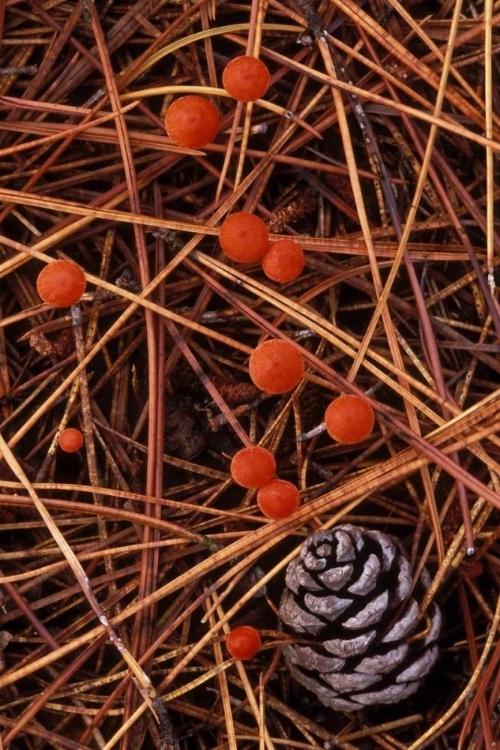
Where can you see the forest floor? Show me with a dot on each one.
(124, 565)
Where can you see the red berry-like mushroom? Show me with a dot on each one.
(243, 642)
(283, 261)
(278, 499)
(246, 78)
(349, 419)
(70, 440)
(276, 366)
(192, 121)
(253, 467)
(61, 283)
(244, 237)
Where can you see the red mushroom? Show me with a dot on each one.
(246, 78)
(349, 419)
(192, 121)
(276, 366)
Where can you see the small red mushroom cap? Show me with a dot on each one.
(192, 121)
(61, 283)
(253, 467)
(349, 419)
(243, 642)
(283, 261)
(278, 499)
(244, 237)
(246, 78)
(276, 366)
(70, 440)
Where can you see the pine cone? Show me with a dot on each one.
(349, 595)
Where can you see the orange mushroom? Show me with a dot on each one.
(278, 499)
(61, 283)
(244, 237)
(276, 366)
(246, 78)
(243, 642)
(349, 419)
(192, 121)
(283, 261)
(70, 440)
(253, 467)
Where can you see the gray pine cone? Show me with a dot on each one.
(348, 594)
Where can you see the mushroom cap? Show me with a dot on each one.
(192, 121)
(349, 419)
(61, 283)
(243, 642)
(283, 261)
(244, 237)
(70, 440)
(278, 499)
(253, 467)
(276, 366)
(246, 78)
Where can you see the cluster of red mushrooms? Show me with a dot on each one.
(276, 366)
(192, 122)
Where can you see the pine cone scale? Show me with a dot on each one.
(344, 683)
(404, 625)
(368, 578)
(383, 663)
(370, 614)
(302, 655)
(335, 579)
(348, 647)
(435, 627)
(299, 619)
(331, 606)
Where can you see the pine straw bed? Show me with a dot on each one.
(125, 565)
